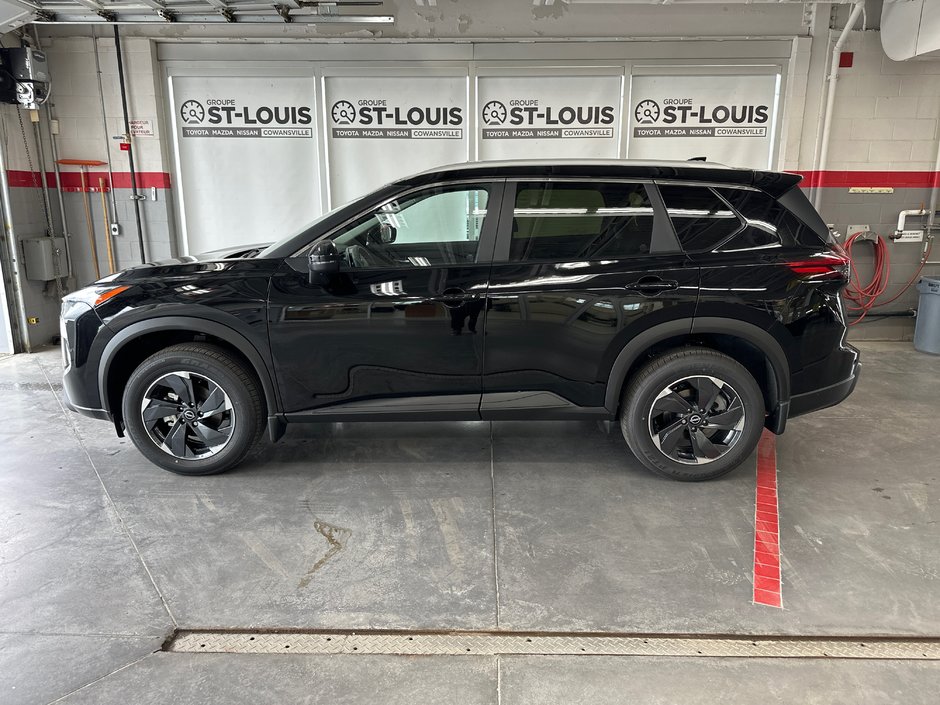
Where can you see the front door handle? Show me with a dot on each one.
(650, 286)
(452, 297)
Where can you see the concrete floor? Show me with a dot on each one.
(376, 526)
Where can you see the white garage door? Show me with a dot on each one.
(247, 157)
(549, 116)
(383, 127)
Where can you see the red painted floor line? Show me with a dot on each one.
(767, 526)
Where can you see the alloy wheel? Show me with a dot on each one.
(696, 420)
(188, 415)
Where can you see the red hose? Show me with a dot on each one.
(862, 298)
(865, 298)
(910, 283)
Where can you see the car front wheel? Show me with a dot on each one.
(692, 414)
(192, 409)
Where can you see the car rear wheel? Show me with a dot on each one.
(192, 409)
(692, 414)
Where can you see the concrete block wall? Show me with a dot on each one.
(86, 131)
(77, 104)
(885, 132)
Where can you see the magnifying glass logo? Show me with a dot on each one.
(646, 112)
(192, 111)
(494, 113)
(343, 112)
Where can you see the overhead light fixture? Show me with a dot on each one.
(306, 12)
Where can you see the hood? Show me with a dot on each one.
(234, 252)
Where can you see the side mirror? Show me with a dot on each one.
(387, 233)
(324, 258)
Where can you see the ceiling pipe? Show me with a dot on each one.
(135, 196)
(833, 80)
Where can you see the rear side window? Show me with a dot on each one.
(701, 219)
(567, 221)
(769, 223)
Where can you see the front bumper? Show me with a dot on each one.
(87, 411)
(83, 335)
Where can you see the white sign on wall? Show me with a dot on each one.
(384, 128)
(530, 117)
(245, 135)
(141, 128)
(727, 119)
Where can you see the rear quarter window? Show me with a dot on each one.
(702, 220)
(768, 223)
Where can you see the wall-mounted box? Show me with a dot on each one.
(44, 258)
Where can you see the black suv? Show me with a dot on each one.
(694, 303)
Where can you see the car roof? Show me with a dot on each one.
(497, 164)
(773, 182)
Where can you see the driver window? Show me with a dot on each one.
(435, 227)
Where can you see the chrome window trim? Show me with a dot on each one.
(706, 184)
(582, 179)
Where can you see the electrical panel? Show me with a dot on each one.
(44, 258)
(24, 77)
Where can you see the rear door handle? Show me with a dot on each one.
(650, 286)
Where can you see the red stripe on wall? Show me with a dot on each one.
(870, 179)
(72, 180)
(767, 589)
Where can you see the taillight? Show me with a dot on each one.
(830, 265)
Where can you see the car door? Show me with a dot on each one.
(399, 328)
(581, 267)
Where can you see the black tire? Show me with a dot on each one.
(237, 426)
(682, 377)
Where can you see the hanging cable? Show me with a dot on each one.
(34, 177)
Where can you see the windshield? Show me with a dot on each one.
(297, 233)
(301, 233)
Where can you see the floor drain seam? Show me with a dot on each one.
(558, 644)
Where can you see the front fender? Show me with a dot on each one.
(259, 361)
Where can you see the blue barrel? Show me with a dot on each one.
(927, 329)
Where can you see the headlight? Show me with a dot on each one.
(65, 342)
(96, 294)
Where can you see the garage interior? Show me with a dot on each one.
(464, 562)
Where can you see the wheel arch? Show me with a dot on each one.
(762, 355)
(129, 347)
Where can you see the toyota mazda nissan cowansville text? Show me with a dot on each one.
(693, 303)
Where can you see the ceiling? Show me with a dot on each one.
(17, 12)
